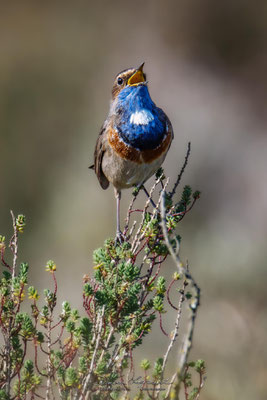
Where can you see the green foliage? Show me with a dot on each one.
(20, 223)
(25, 322)
(50, 266)
(23, 272)
(161, 285)
(85, 331)
(2, 249)
(71, 377)
(157, 371)
(198, 367)
(145, 364)
(193, 394)
(186, 195)
(3, 395)
(32, 293)
(160, 174)
(77, 353)
(29, 381)
(135, 191)
(158, 303)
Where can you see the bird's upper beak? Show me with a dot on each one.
(137, 77)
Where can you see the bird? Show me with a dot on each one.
(134, 139)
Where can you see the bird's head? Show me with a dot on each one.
(128, 77)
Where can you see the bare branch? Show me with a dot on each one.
(182, 170)
(195, 301)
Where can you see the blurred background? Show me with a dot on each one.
(206, 63)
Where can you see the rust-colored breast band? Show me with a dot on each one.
(140, 157)
(125, 151)
(149, 156)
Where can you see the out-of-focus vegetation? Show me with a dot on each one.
(206, 66)
(66, 354)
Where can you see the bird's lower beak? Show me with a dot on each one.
(137, 77)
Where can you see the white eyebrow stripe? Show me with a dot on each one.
(142, 117)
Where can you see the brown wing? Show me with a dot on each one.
(99, 153)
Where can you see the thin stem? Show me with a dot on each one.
(48, 381)
(178, 180)
(176, 328)
(86, 386)
(14, 248)
(193, 306)
(14, 245)
(147, 194)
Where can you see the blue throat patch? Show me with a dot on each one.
(139, 122)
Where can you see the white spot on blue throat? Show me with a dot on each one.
(143, 117)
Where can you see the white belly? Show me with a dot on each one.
(124, 174)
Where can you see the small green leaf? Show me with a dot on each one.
(145, 364)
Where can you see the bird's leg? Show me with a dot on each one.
(119, 236)
(146, 192)
(118, 198)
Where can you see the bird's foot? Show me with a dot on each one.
(120, 238)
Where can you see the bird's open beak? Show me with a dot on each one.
(137, 77)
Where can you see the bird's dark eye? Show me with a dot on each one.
(120, 81)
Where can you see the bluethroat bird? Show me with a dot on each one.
(133, 140)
